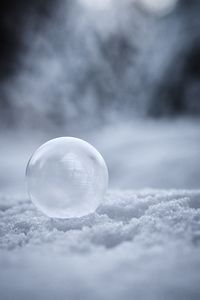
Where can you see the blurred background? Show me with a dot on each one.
(122, 74)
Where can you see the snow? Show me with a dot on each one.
(141, 243)
(139, 154)
(137, 245)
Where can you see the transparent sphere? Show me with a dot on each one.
(66, 177)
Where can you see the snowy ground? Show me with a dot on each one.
(145, 154)
(138, 245)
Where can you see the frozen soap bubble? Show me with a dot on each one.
(66, 177)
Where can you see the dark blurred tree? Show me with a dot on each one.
(13, 19)
(179, 89)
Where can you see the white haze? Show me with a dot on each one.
(85, 66)
(90, 73)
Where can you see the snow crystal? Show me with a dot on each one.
(137, 245)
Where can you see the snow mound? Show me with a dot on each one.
(137, 245)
